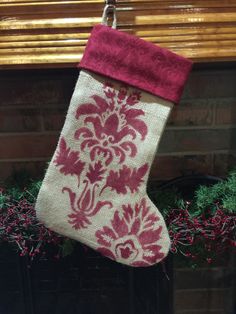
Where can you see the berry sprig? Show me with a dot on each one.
(206, 234)
(20, 227)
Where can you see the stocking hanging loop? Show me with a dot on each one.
(109, 12)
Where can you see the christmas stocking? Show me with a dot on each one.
(94, 190)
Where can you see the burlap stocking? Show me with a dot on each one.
(94, 190)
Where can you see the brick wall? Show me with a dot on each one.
(200, 136)
(33, 105)
(205, 290)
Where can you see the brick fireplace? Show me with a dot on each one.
(200, 138)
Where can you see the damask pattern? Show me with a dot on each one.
(110, 126)
(131, 237)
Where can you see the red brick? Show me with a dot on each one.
(188, 114)
(27, 146)
(34, 169)
(167, 167)
(211, 84)
(207, 278)
(19, 120)
(200, 312)
(53, 119)
(198, 140)
(223, 163)
(225, 114)
(36, 87)
(199, 300)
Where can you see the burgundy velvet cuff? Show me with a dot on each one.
(136, 62)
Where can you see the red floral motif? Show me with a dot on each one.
(125, 178)
(132, 238)
(68, 160)
(85, 206)
(95, 172)
(111, 124)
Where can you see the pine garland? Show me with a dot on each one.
(199, 230)
(204, 228)
(19, 225)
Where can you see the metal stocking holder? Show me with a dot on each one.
(109, 12)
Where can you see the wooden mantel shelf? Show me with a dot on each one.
(41, 33)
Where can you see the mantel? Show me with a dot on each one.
(41, 33)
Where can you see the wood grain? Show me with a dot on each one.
(42, 33)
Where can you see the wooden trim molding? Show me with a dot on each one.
(40, 33)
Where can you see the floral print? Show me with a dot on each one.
(132, 236)
(106, 142)
(111, 124)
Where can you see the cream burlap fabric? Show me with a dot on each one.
(94, 190)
